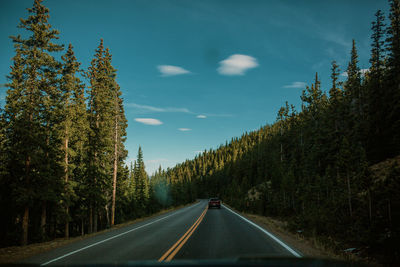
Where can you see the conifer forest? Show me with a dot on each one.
(330, 169)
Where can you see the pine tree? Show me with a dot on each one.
(353, 83)
(355, 101)
(377, 47)
(393, 39)
(336, 97)
(100, 148)
(392, 82)
(375, 94)
(73, 127)
(141, 183)
(30, 107)
(119, 126)
(108, 130)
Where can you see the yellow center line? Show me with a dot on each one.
(177, 246)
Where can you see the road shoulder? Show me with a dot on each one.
(295, 241)
(17, 253)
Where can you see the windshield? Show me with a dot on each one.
(123, 124)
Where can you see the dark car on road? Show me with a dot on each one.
(214, 203)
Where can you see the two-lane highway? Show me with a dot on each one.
(193, 232)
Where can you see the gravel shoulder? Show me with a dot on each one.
(17, 253)
(308, 247)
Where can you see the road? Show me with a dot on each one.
(193, 232)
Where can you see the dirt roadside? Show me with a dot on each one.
(17, 253)
(308, 247)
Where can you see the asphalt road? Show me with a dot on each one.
(193, 232)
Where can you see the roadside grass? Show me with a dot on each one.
(310, 246)
(16, 253)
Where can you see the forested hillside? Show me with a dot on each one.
(63, 128)
(331, 169)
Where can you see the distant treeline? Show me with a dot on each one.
(62, 153)
(333, 168)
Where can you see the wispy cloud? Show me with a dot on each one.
(184, 129)
(144, 109)
(237, 65)
(169, 70)
(334, 37)
(147, 108)
(148, 121)
(295, 85)
(218, 115)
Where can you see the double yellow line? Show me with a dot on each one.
(170, 254)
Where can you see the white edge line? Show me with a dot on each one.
(267, 233)
(107, 239)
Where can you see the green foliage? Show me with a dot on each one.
(59, 150)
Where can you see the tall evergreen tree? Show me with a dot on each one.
(375, 90)
(118, 128)
(141, 183)
(108, 130)
(73, 129)
(392, 81)
(101, 107)
(30, 108)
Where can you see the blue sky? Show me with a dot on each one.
(197, 73)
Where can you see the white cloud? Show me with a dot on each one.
(148, 121)
(237, 64)
(201, 116)
(184, 129)
(158, 109)
(295, 85)
(169, 70)
(362, 72)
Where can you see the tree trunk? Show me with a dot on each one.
(66, 184)
(115, 171)
(281, 145)
(95, 220)
(107, 215)
(67, 222)
(349, 195)
(90, 230)
(25, 219)
(43, 220)
(370, 206)
(389, 213)
(44, 201)
(25, 223)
